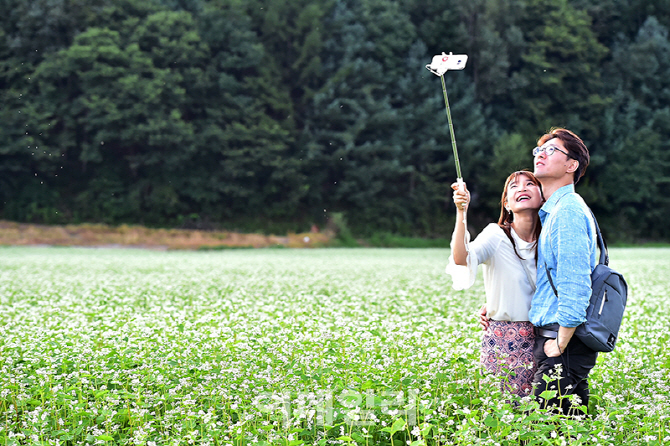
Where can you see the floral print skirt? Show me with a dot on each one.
(507, 352)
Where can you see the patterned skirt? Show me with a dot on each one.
(507, 352)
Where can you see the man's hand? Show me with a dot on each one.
(551, 348)
(556, 347)
(483, 319)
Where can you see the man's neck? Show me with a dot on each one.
(549, 187)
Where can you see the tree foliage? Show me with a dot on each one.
(274, 116)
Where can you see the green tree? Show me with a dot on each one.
(378, 140)
(291, 33)
(557, 81)
(352, 147)
(246, 171)
(29, 32)
(260, 115)
(117, 111)
(493, 41)
(632, 162)
(613, 19)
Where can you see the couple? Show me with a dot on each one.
(544, 226)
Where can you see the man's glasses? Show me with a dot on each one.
(548, 150)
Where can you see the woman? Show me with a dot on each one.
(508, 252)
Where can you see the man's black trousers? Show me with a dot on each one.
(577, 361)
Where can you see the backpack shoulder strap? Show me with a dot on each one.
(604, 255)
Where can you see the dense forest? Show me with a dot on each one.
(275, 115)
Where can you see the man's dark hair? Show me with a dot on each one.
(574, 145)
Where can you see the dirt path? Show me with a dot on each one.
(12, 233)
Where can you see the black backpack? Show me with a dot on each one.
(609, 293)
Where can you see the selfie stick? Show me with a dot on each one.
(440, 65)
(451, 131)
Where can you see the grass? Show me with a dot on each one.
(291, 347)
(385, 240)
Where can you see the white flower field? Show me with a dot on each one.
(291, 347)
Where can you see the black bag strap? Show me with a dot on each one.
(604, 255)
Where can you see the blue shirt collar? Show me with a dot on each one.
(549, 205)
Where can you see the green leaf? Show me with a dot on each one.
(548, 394)
(527, 435)
(491, 421)
(358, 437)
(104, 437)
(397, 426)
(425, 430)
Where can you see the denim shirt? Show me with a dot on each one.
(568, 246)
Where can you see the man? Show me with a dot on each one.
(567, 248)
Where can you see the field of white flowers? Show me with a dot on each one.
(291, 347)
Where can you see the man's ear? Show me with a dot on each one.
(573, 166)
